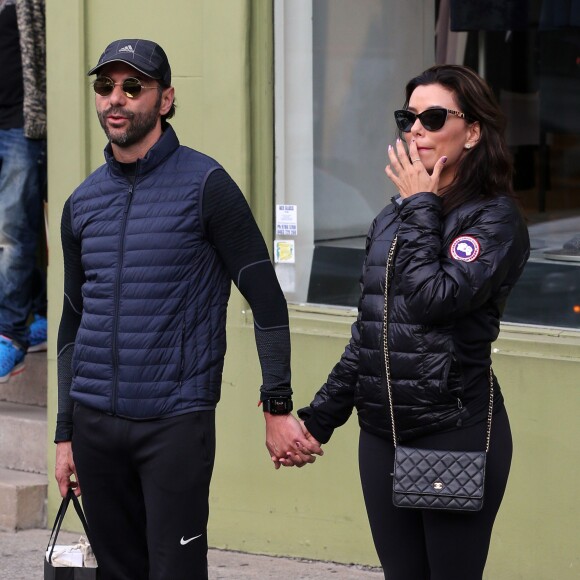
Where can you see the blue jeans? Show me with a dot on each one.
(22, 183)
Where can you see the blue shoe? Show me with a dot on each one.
(11, 359)
(37, 334)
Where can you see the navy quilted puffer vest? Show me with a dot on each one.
(152, 338)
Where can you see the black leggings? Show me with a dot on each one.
(425, 544)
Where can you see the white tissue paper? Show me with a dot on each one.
(76, 556)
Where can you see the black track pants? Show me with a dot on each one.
(145, 489)
(431, 545)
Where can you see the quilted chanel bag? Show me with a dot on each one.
(428, 478)
(444, 480)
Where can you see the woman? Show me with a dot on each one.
(461, 246)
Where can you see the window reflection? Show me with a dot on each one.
(362, 55)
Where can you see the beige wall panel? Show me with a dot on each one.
(205, 43)
(225, 70)
(314, 512)
(67, 166)
(175, 25)
(538, 527)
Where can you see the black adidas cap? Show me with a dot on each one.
(144, 55)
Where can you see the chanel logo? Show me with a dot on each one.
(438, 485)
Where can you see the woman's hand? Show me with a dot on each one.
(409, 175)
(288, 442)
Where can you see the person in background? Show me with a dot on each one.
(22, 181)
(459, 245)
(152, 241)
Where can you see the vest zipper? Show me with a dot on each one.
(118, 295)
(182, 354)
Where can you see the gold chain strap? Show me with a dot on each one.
(490, 410)
(390, 257)
(388, 271)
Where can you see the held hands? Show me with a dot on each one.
(65, 468)
(408, 173)
(289, 442)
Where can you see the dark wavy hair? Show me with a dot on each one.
(485, 170)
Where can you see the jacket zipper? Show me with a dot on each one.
(182, 354)
(118, 294)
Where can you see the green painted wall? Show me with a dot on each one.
(538, 528)
(221, 52)
(318, 512)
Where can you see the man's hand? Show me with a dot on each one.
(287, 443)
(65, 468)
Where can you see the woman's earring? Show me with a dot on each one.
(468, 146)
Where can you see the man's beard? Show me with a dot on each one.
(139, 126)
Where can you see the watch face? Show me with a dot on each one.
(278, 406)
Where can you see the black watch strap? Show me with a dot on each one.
(277, 405)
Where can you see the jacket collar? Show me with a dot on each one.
(165, 146)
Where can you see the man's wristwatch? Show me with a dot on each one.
(277, 405)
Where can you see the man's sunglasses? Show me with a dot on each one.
(104, 86)
(431, 119)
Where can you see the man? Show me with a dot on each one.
(151, 243)
(22, 180)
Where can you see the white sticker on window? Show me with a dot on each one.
(286, 220)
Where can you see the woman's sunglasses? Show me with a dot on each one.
(431, 119)
(104, 86)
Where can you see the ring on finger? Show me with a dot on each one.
(414, 160)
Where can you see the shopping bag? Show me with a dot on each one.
(71, 562)
(52, 573)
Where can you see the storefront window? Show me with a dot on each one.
(340, 71)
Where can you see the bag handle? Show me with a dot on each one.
(388, 275)
(60, 518)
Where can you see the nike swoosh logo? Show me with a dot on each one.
(183, 541)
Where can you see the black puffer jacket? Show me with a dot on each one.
(449, 284)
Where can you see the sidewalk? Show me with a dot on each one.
(21, 555)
